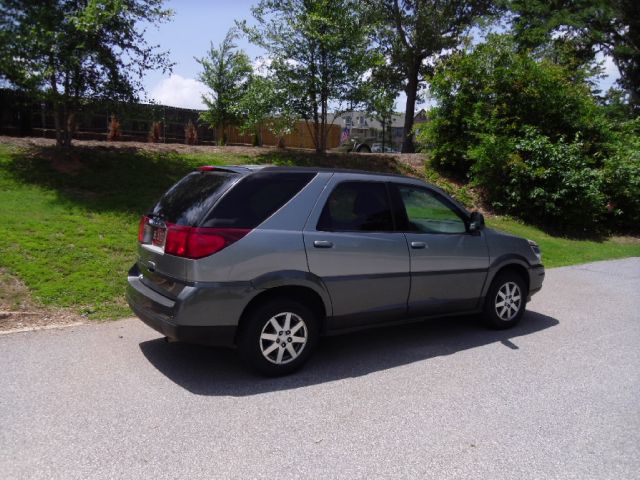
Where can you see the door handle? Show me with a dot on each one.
(322, 244)
(418, 245)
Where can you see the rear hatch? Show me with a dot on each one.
(204, 213)
(169, 235)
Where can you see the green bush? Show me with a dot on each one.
(540, 181)
(531, 135)
(622, 178)
(497, 90)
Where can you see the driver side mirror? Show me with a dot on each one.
(476, 222)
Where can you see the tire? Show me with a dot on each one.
(506, 301)
(260, 343)
(364, 149)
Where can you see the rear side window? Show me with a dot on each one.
(255, 198)
(357, 206)
(188, 200)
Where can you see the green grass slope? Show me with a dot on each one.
(68, 219)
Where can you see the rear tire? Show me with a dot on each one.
(278, 337)
(364, 149)
(506, 301)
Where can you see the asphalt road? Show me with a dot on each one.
(557, 397)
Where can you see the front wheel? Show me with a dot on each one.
(506, 301)
(278, 337)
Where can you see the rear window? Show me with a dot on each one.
(188, 200)
(357, 207)
(255, 198)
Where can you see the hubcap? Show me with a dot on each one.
(283, 338)
(508, 301)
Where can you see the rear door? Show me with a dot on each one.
(351, 245)
(448, 264)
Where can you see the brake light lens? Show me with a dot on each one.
(198, 242)
(206, 168)
(143, 222)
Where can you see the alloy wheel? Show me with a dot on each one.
(508, 301)
(283, 338)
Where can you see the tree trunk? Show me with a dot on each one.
(323, 125)
(62, 118)
(383, 135)
(57, 121)
(412, 91)
(316, 130)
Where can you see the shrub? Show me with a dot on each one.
(155, 132)
(544, 182)
(622, 178)
(533, 138)
(496, 90)
(114, 132)
(190, 134)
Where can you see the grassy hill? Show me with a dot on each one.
(68, 219)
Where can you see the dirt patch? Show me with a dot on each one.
(246, 150)
(625, 240)
(414, 160)
(19, 311)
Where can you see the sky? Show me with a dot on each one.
(198, 23)
(195, 24)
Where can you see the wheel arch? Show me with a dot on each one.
(512, 263)
(294, 285)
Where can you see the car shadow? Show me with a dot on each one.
(218, 371)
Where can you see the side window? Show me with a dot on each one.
(426, 213)
(357, 207)
(255, 198)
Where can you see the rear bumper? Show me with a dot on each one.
(180, 319)
(220, 335)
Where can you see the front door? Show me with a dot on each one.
(352, 247)
(448, 264)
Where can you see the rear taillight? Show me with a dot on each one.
(198, 242)
(144, 220)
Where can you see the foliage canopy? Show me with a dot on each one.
(226, 71)
(319, 50)
(67, 51)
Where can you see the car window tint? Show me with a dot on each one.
(427, 213)
(188, 200)
(255, 198)
(357, 206)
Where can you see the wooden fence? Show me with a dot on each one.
(23, 116)
(300, 137)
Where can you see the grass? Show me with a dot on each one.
(69, 228)
(68, 219)
(561, 251)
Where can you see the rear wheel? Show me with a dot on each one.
(278, 337)
(506, 301)
(364, 149)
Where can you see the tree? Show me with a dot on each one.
(381, 105)
(264, 105)
(319, 49)
(67, 52)
(574, 31)
(413, 33)
(226, 71)
(256, 106)
(533, 139)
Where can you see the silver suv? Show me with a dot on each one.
(270, 258)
